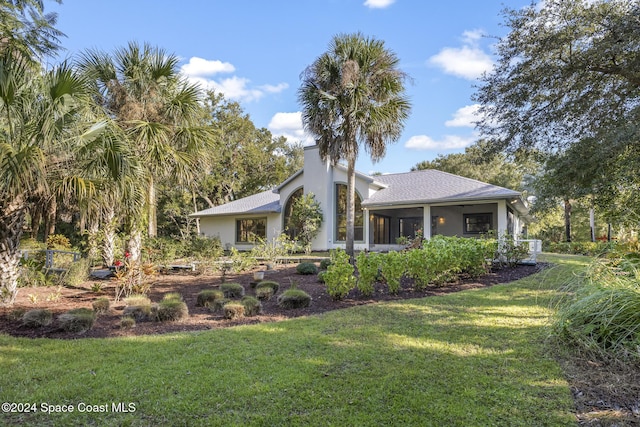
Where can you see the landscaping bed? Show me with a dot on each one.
(60, 300)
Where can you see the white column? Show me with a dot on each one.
(426, 221)
(502, 217)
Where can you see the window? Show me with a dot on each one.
(288, 208)
(250, 229)
(341, 216)
(477, 223)
(381, 230)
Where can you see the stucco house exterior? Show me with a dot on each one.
(387, 207)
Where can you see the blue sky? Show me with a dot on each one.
(254, 51)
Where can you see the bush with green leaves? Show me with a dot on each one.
(207, 297)
(306, 268)
(140, 313)
(172, 308)
(275, 286)
(37, 318)
(264, 294)
(205, 248)
(306, 219)
(137, 299)
(392, 268)
(232, 290)
(339, 277)
(294, 298)
(325, 263)
(101, 305)
(321, 276)
(218, 304)
(77, 273)
(127, 322)
(78, 320)
(418, 267)
(252, 306)
(233, 310)
(368, 265)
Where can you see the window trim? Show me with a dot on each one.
(476, 214)
(240, 242)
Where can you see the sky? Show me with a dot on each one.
(254, 52)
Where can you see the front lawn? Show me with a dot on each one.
(472, 358)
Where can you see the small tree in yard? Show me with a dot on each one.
(306, 218)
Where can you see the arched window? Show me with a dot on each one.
(341, 215)
(291, 231)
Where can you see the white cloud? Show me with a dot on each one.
(378, 4)
(290, 126)
(205, 67)
(468, 61)
(199, 70)
(449, 142)
(464, 117)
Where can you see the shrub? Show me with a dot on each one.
(306, 268)
(294, 298)
(172, 309)
(58, 241)
(78, 273)
(232, 290)
(137, 300)
(325, 263)
(218, 304)
(205, 248)
(101, 305)
(78, 320)
(37, 318)
(233, 310)
(339, 277)
(264, 294)
(140, 313)
(321, 275)
(172, 296)
(268, 284)
(392, 267)
(252, 306)
(418, 267)
(207, 297)
(127, 322)
(368, 265)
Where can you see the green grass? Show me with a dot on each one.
(474, 358)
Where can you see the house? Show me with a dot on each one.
(387, 207)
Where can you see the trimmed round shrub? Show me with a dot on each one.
(218, 304)
(101, 305)
(137, 300)
(307, 268)
(172, 310)
(232, 290)
(268, 284)
(127, 322)
(325, 263)
(78, 320)
(252, 306)
(294, 298)
(233, 310)
(265, 293)
(172, 296)
(140, 313)
(207, 297)
(37, 318)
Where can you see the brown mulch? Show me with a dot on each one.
(604, 395)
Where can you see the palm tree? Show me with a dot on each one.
(351, 95)
(158, 110)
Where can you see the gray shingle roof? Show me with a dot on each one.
(265, 202)
(433, 186)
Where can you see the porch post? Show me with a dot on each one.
(366, 226)
(426, 221)
(502, 217)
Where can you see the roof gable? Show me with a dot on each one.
(265, 202)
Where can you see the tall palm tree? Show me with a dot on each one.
(353, 95)
(158, 110)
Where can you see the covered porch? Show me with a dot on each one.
(388, 224)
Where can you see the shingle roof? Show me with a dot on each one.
(432, 186)
(265, 202)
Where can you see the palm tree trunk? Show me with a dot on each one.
(50, 218)
(134, 245)
(151, 205)
(11, 221)
(351, 206)
(109, 238)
